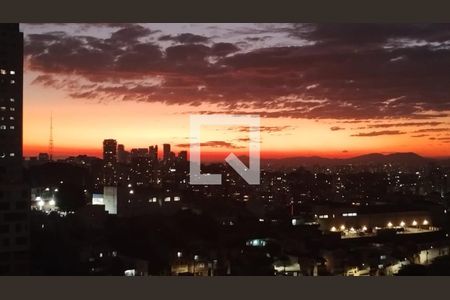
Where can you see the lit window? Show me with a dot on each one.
(12, 72)
(12, 100)
(13, 81)
(12, 154)
(3, 108)
(3, 127)
(11, 118)
(12, 109)
(2, 71)
(11, 127)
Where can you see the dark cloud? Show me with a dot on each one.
(268, 129)
(378, 133)
(336, 128)
(185, 38)
(432, 130)
(129, 34)
(223, 49)
(406, 124)
(212, 144)
(348, 71)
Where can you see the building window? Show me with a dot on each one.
(2, 127)
(11, 118)
(11, 127)
(12, 100)
(12, 154)
(21, 241)
(13, 81)
(12, 109)
(12, 72)
(2, 71)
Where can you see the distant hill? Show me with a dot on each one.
(407, 158)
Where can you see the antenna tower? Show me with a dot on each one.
(50, 142)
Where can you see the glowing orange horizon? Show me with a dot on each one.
(215, 155)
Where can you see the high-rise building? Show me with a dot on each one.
(14, 196)
(139, 152)
(153, 153)
(109, 161)
(166, 152)
(122, 155)
(182, 156)
(110, 150)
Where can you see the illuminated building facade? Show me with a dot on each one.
(110, 161)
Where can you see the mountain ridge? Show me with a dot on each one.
(407, 158)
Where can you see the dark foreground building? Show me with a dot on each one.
(14, 206)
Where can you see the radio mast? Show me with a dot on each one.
(50, 142)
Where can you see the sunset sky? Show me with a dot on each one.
(335, 90)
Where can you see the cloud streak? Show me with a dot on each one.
(378, 133)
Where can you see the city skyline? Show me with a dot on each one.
(145, 207)
(339, 91)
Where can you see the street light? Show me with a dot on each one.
(41, 203)
(389, 225)
(195, 262)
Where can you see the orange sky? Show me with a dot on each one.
(81, 124)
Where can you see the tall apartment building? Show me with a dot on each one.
(14, 195)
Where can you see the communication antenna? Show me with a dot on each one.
(50, 142)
